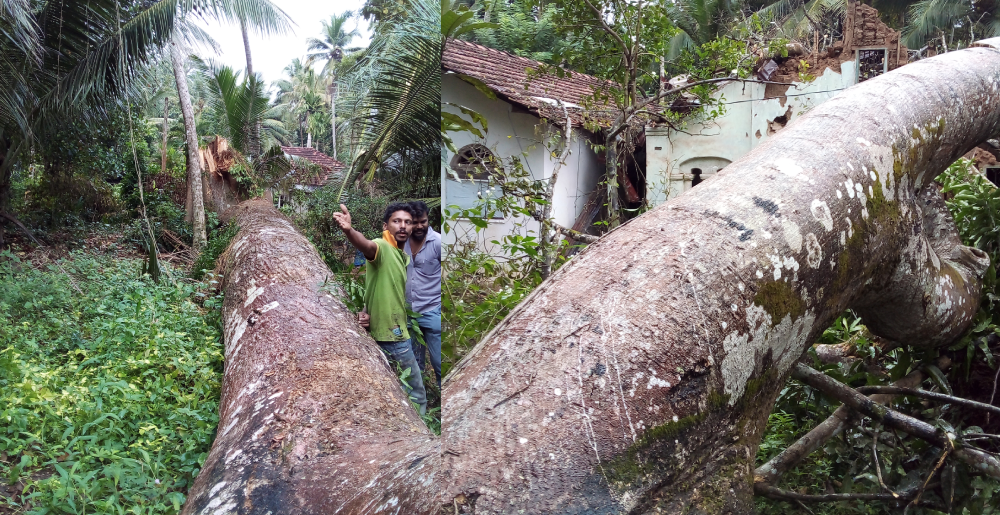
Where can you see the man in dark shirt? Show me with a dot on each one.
(423, 285)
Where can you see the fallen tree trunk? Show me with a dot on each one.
(311, 419)
(639, 377)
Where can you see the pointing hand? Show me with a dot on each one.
(343, 219)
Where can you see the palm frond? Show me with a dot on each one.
(396, 107)
(262, 15)
(927, 17)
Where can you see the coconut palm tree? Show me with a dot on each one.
(234, 103)
(302, 93)
(395, 100)
(968, 21)
(70, 59)
(700, 21)
(331, 48)
(260, 14)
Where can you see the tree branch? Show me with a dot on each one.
(978, 460)
(929, 395)
(788, 495)
(787, 459)
(576, 235)
(620, 122)
(547, 257)
(608, 29)
(21, 226)
(851, 398)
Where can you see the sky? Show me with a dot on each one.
(271, 55)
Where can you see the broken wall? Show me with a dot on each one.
(754, 112)
(751, 115)
(863, 29)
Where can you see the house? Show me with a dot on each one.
(754, 111)
(312, 169)
(525, 106)
(523, 113)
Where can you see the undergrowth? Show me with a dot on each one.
(216, 245)
(108, 395)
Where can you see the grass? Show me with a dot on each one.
(109, 387)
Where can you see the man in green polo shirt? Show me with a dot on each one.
(385, 289)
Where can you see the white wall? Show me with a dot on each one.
(671, 155)
(515, 134)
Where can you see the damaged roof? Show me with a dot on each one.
(329, 167)
(508, 75)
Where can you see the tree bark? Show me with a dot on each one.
(195, 189)
(311, 418)
(639, 377)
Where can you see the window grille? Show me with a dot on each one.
(478, 163)
(992, 174)
(475, 162)
(871, 63)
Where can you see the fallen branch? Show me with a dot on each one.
(576, 235)
(929, 395)
(21, 226)
(18, 223)
(788, 495)
(787, 459)
(978, 460)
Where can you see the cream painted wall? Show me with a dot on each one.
(515, 134)
(671, 155)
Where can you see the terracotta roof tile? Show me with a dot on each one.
(507, 75)
(331, 168)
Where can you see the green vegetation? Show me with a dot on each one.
(845, 463)
(109, 386)
(218, 242)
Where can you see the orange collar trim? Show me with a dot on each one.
(390, 238)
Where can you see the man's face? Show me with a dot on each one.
(399, 226)
(419, 228)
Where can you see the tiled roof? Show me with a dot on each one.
(331, 168)
(508, 76)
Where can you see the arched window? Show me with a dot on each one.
(469, 184)
(475, 162)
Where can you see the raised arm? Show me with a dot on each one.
(366, 246)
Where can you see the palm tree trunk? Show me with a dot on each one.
(194, 160)
(163, 147)
(246, 47)
(333, 115)
(253, 127)
(6, 175)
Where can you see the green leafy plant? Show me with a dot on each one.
(218, 242)
(108, 396)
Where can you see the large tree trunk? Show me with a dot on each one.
(638, 378)
(193, 161)
(311, 419)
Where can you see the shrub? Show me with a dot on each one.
(108, 395)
